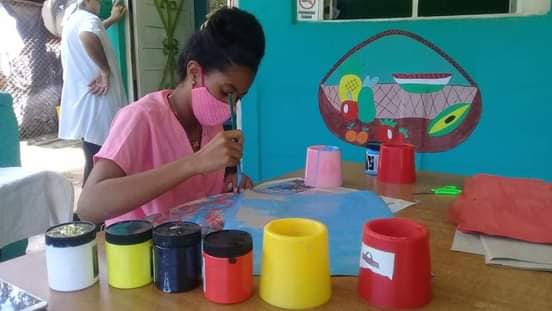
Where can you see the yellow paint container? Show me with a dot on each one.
(295, 270)
(128, 253)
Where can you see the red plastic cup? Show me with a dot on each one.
(395, 264)
(397, 164)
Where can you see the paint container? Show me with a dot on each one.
(228, 266)
(71, 256)
(395, 264)
(323, 167)
(397, 164)
(295, 270)
(372, 158)
(177, 256)
(128, 249)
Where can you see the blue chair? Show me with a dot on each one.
(10, 156)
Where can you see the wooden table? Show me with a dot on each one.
(462, 281)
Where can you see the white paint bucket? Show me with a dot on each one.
(72, 256)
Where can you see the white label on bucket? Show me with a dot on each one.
(204, 275)
(380, 262)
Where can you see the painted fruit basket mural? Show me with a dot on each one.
(361, 100)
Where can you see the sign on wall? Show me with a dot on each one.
(310, 10)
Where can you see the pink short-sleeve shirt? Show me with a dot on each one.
(146, 135)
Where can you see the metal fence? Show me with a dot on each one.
(34, 75)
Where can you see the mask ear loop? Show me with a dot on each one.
(202, 76)
(194, 81)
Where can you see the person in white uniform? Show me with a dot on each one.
(92, 85)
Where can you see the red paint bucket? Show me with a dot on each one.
(395, 264)
(397, 164)
(228, 266)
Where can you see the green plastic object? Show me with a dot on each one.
(447, 190)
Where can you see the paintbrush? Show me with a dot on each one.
(235, 127)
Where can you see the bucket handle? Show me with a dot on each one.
(411, 35)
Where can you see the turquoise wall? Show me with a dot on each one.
(510, 58)
(200, 10)
(116, 34)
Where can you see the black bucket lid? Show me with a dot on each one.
(128, 232)
(177, 234)
(70, 234)
(227, 243)
(373, 145)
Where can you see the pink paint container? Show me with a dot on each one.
(323, 167)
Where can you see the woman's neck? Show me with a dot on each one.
(181, 103)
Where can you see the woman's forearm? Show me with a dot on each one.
(111, 197)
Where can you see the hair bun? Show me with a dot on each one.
(225, 29)
(229, 36)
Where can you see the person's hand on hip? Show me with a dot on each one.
(100, 85)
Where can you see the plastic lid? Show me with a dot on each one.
(227, 243)
(71, 234)
(128, 232)
(177, 234)
(373, 146)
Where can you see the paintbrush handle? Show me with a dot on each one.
(235, 127)
(232, 113)
(238, 176)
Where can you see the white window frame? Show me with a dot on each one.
(517, 8)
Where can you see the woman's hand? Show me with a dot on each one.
(222, 151)
(117, 12)
(100, 85)
(231, 182)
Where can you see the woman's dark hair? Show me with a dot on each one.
(229, 37)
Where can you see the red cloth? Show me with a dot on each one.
(510, 207)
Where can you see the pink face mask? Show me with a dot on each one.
(207, 109)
